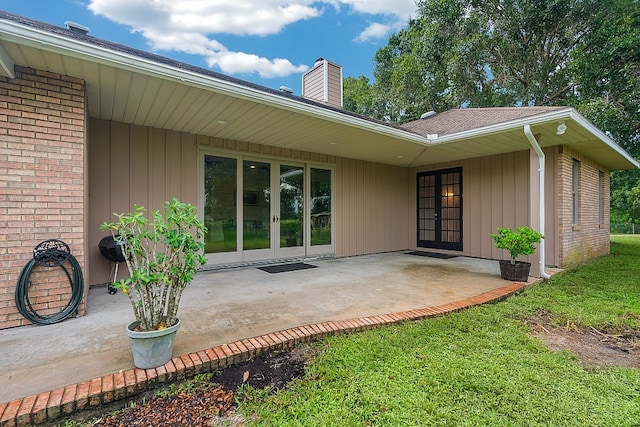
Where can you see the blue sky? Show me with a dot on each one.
(269, 42)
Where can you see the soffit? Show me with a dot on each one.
(124, 90)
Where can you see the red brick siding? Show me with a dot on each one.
(42, 181)
(589, 238)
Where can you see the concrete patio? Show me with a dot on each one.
(230, 305)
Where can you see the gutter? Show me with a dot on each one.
(541, 162)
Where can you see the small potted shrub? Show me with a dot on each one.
(517, 242)
(162, 255)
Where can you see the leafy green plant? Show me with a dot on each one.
(162, 256)
(517, 242)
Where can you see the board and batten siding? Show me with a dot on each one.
(497, 193)
(371, 207)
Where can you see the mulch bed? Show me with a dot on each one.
(215, 405)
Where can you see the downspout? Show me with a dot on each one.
(541, 162)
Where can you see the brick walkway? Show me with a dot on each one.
(63, 401)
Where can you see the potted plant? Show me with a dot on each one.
(162, 255)
(517, 242)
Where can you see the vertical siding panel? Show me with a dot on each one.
(471, 199)
(173, 158)
(99, 196)
(508, 190)
(341, 208)
(353, 212)
(497, 203)
(522, 201)
(119, 194)
(486, 211)
(360, 214)
(139, 166)
(189, 169)
(412, 216)
(157, 175)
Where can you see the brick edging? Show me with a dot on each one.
(63, 401)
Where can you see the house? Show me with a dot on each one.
(90, 127)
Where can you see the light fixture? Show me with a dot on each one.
(221, 122)
(561, 129)
(333, 143)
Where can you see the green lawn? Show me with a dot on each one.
(479, 367)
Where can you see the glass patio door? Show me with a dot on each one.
(439, 202)
(269, 220)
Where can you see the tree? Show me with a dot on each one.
(607, 67)
(481, 53)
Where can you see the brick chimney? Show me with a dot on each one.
(323, 83)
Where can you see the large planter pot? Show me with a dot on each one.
(151, 348)
(518, 272)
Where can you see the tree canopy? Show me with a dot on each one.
(499, 53)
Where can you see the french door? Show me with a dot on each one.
(259, 209)
(439, 202)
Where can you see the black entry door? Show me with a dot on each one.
(439, 201)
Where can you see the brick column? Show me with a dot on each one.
(42, 183)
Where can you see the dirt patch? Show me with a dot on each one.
(595, 348)
(214, 406)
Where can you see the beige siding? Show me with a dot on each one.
(323, 83)
(496, 193)
(371, 207)
(133, 164)
(334, 85)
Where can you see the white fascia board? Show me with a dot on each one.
(559, 115)
(603, 137)
(21, 34)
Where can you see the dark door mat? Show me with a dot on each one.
(283, 268)
(431, 254)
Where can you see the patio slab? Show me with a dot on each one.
(228, 306)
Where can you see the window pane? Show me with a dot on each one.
(320, 207)
(291, 206)
(256, 202)
(220, 183)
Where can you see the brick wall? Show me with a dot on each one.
(589, 237)
(42, 183)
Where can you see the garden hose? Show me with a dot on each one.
(50, 253)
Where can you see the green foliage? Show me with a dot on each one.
(479, 367)
(477, 53)
(517, 242)
(162, 256)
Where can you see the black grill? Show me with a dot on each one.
(111, 249)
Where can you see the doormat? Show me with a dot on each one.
(283, 268)
(431, 254)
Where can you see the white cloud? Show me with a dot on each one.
(186, 25)
(375, 30)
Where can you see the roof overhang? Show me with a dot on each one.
(580, 135)
(138, 88)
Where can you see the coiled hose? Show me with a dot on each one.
(50, 253)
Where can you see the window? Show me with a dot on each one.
(575, 191)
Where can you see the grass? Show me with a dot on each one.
(475, 368)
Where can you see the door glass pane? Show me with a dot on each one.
(220, 183)
(451, 209)
(320, 207)
(256, 202)
(291, 206)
